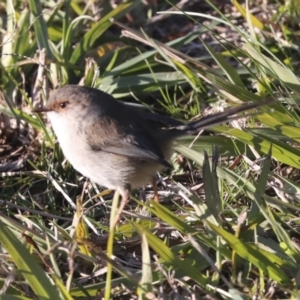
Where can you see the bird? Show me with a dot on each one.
(119, 146)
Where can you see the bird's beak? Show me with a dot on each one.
(41, 109)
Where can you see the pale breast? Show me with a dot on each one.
(106, 169)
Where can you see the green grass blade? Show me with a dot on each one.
(252, 254)
(170, 258)
(88, 40)
(27, 266)
(211, 188)
(228, 70)
(40, 26)
(147, 278)
(281, 151)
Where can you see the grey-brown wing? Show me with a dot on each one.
(131, 141)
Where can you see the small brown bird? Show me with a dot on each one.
(116, 145)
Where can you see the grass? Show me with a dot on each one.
(228, 219)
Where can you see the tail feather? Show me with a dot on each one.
(219, 118)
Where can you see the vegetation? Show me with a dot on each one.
(228, 217)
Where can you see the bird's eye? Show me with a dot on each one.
(63, 104)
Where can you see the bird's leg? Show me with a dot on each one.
(125, 193)
(154, 184)
(156, 197)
